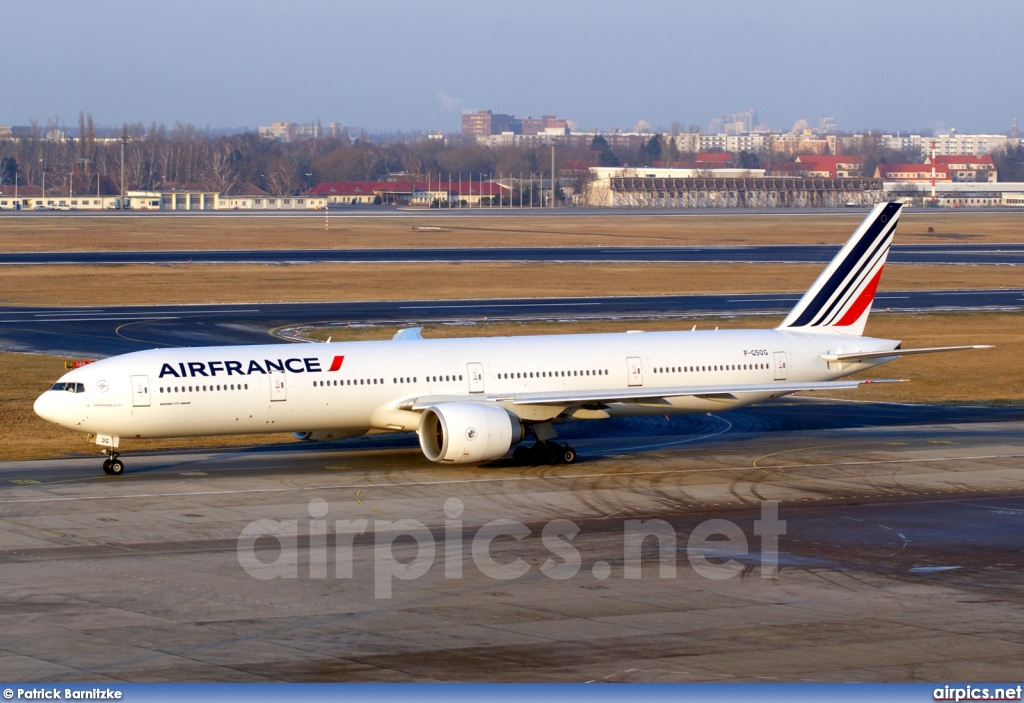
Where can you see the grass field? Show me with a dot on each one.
(993, 376)
(262, 283)
(23, 232)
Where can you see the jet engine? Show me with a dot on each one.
(328, 435)
(463, 433)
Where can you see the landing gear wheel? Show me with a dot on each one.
(552, 453)
(521, 455)
(112, 465)
(568, 455)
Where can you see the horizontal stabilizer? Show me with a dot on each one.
(858, 356)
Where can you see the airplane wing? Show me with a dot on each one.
(857, 356)
(618, 395)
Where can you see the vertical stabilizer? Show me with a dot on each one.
(840, 300)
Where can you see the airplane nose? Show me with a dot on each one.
(47, 406)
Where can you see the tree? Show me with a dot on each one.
(8, 168)
(651, 151)
(748, 159)
(1010, 163)
(605, 156)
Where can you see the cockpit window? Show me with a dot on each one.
(59, 386)
(69, 387)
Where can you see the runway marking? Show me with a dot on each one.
(507, 479)
(997, 508)
(95, 319)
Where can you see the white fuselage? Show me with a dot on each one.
(360, 385)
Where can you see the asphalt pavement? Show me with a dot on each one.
(953, 254)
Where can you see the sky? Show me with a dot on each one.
(388, 65)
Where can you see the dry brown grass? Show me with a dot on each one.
(993, 376)
(260, 283)
(29, 233)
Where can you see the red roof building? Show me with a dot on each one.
(970, 169)
(917, 173)
(831, 165)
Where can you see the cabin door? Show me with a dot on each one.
(780, 366)
(476, 377)
(278, 386)
(140, 391)
(636, 371)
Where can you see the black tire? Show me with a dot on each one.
(106, 467)
(116, 467)
(568, 455)
(521, 455)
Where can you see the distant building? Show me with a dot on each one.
(805, 142)
(968, 169)
(733, 123)
(912, 173)
(830, 165)
(425, 193)
(963, 144)
(484, 123)
(539, 125)
(897, 142)
(291, 132)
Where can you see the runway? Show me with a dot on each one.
(108, 330)
(899, 557)
(954, 254)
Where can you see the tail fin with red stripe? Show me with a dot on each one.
(840, 300)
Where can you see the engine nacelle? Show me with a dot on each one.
(328, 435)
(463, 433)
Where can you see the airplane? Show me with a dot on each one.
(471, 400)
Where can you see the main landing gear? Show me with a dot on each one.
(112, 465)
(546, 452)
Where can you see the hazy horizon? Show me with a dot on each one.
(393, 66)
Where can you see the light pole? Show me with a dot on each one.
(85, 167)
(42, 170)
(552, 175)
(309, 181)
(124, 138)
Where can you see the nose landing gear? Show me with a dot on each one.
(112, 465)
